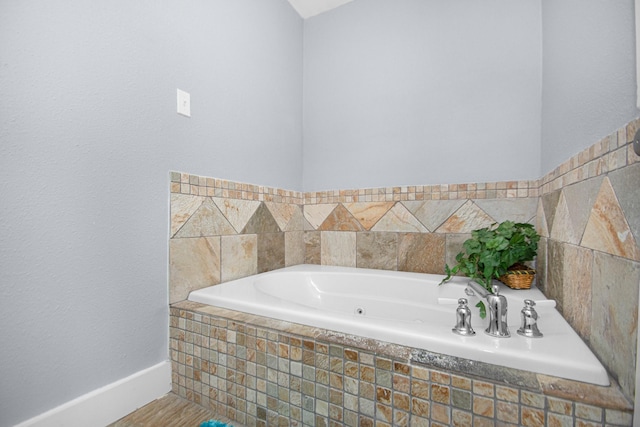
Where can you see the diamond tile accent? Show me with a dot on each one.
(238, 212)
(316, 214)
(340, 219)
(562, 228)
(607, 230)
(514, 209)
(368, 213)
(206, 221)
(433, 213)
(261, 222)
(182, 207)
(466, 219)
(399, 219)
(283, 213)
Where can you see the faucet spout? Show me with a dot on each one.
(497, 308)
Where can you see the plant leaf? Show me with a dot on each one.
(483, 309)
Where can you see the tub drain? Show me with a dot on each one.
(360, 311)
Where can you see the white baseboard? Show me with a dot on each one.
(109, 403)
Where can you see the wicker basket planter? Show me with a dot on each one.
(518, 276)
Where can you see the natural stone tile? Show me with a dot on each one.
(261, 222)
(368, 213)
(182, 206)
(297, 221)
(580, 199)
(271, 251)
(312, 247)
(614, 316)
(206, 221)
(549, 204)
(340, 219)
(316, 214)
(294, 248)
(576, 288)
(466, 219)
(454, 245)
(541, 264)
(553, 286)
(421, 252)
(519, 209)
(433, 213)
(532, 417)
(625, 185)
(562, 228)
(239, 256)
(193, 264)
(238, 212)
(541, 221)
(399, 219)
(283, 213)
(507, 412)
(338, 248)
(377, 250)
(607, 230)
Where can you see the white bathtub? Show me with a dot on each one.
(409, 309)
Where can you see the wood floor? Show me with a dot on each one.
(169, 411)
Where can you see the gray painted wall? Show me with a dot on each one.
(422, 92)
(88, 134)
(589, 87)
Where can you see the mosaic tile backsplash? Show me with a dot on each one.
(587, 210)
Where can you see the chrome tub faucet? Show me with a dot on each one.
(497, 308)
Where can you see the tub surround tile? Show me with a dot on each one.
(448, 210)
(625, 185)
(514, 209)
(580, 198)
(237, 212)
(549, 204)
(316, 214)
(368, 213)
(261, 222)
(606, 216)
(562, 229)
(206, 221)
(377, 250)
(541, 221)
(255, 370)
(421, 252)
(399, 219)
(576, 288)
(294, 248)
(433, 213)
(469, 217)
(313, 247)
(340, 219)
(182, 207)
(555, 273)
(338, 248)
(614, 313)
(244, 261)
(193, 264)
(270, 251)
(287, 216)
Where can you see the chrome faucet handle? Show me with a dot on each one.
(463, 319)
(529, 320)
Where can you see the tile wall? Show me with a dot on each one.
(264, 372)
(586, 210)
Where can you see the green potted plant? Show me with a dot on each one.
(498, 252)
